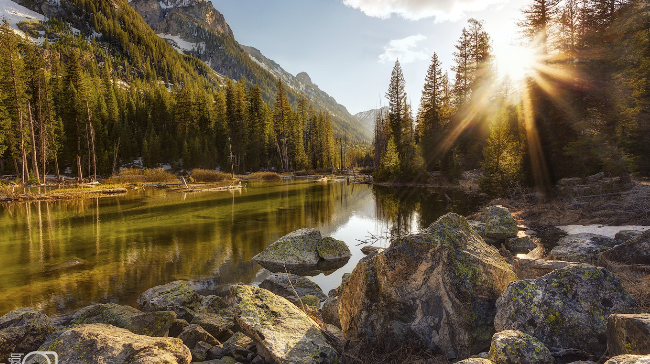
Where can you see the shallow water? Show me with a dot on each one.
(60, 256)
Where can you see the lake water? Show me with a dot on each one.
(60, 256)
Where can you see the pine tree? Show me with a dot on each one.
(281, 125)
(539, 17)
(429, 115)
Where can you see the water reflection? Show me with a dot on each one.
(58, 256)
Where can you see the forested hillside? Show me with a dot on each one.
(93, 87)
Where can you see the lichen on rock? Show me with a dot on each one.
(516, 347)
(499, 223)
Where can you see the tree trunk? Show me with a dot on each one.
(31, 132)
(79, 171)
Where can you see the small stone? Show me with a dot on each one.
(200, 351)
(369, 249)
(192, 334)
(514, 347)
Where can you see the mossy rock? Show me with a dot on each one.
(288, 285)
(437, 288)
(629, 359)
(286, 334)
(176, 296)
(310, 300)
(566, 309)
(22, 331)
(296, 248)
(332, 249)
(100, 343)
(499, 223)
(516, 347)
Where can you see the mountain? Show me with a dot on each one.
(196, 28)
(368, 118)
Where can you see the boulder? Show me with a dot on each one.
(437, 288)
(100, 343)
(287, 285)
(330, 311)
(200, 351)
(629, 359)
(175, 296)
(499, 224)
(625, 235)
(216, 316)
(126, 317)
(299, 247)
(193, 334)
(23, 331)
(238, 346)
(582, 248)
(566, 309)
(634, 251)
(284, 332)
(514, 347)
(332, 249)
(522, 244)
(628, 334)
(529, 268)
(369, 249)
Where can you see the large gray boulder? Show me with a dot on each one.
(285, 333)
(126, 317)
(100, 343)
(634, 251)
(565, 309)
(437, 288)
(516, 347)
(581, 248)
(499, 223)
(628, 334)
(305, 252)
(288, 285)
(23, 331)
(175, 296)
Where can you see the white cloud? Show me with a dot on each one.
(419, 9)
(404, 49)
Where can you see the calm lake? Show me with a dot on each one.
(60, 256)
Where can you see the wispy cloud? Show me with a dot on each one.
(419, 9)
(405, 49)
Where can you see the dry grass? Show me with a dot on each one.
(636, 280)
(135, 175)
(362, 352)
(265, 176)
(209, 175)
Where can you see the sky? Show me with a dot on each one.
(349, 47)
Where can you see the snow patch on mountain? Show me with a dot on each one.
(15, 13)
(182, 45)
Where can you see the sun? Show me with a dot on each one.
(516, 62)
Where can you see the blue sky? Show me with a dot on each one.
(348, 47)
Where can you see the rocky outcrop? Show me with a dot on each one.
(628, 334)
(286, 333)
(516, 347)
(193, 334)
(499, 224)
(126, 317)
(438, 288)
(582, 248)
(288, 285)
(565, 309)
(175, 296)
(100, 343)
(301, 250)
(529, 268)
(629, 359)
(634, 251)
(216, 316)
(23, 331)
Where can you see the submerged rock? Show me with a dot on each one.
(175, 296)
(23, 331)
(516, 347)
(100, 343)
(581, 248)
(286, 333)
(284, 284)
(628, 334)
(437, 288)
(565, 309)
(499, 224)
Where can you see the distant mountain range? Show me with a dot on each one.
(196, 28)
(368, 118)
